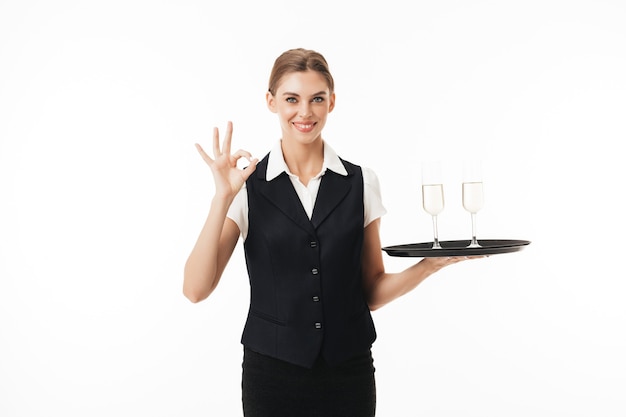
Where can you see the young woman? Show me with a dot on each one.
(310, 223)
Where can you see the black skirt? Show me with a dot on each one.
(274, 388)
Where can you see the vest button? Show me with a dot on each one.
(318, 325)
(313, 244)
(316, 298)
(314, 271)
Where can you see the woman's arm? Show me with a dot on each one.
(382, 287)
(211, 253)
(219, 235)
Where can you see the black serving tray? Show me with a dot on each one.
(457, 248)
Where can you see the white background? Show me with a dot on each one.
(102, 195)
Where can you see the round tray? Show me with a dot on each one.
(457, 248)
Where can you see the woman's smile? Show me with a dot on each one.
(304, 127)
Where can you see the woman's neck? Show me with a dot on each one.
(304, 160)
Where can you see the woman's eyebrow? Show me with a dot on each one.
(319, 93)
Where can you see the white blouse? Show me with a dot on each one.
(276, 165)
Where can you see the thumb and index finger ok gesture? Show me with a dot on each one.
(227, 176)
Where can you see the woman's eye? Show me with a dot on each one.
(318, 99)
(291, 100)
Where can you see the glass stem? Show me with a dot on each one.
(474, 240)
(436, 234)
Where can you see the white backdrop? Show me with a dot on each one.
(102, 195)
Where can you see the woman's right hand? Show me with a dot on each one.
(227, 176)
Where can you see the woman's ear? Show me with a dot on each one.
(271, 102)
(331, 106)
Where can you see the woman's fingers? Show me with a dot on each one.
(228, 138)
(440, 262)
(216, 142)
(455, 259)
(225, 149)
(203, 154)
(242, 154)
(249, 169)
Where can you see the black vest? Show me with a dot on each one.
(306, 292)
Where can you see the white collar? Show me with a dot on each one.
(276, 164)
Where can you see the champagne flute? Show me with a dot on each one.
(473, 196)
(432, 195)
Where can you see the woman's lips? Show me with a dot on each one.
(304, 127)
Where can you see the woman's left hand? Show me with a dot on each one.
(443, 261)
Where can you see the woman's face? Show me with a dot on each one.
(302, 103)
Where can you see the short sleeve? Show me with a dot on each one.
(238, 211)
(372, 197)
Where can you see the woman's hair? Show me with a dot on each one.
(299, 60)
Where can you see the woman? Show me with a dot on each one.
(310, 223)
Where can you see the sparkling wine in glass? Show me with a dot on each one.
(432, 195)
(473, 196)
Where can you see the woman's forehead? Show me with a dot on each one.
(302, 83)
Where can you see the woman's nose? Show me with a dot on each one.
(305, 111)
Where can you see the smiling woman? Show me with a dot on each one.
(310, 224)
(302, 102)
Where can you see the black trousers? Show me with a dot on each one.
(274, 388)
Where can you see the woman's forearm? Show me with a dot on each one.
(211, 252)
(389, 286)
